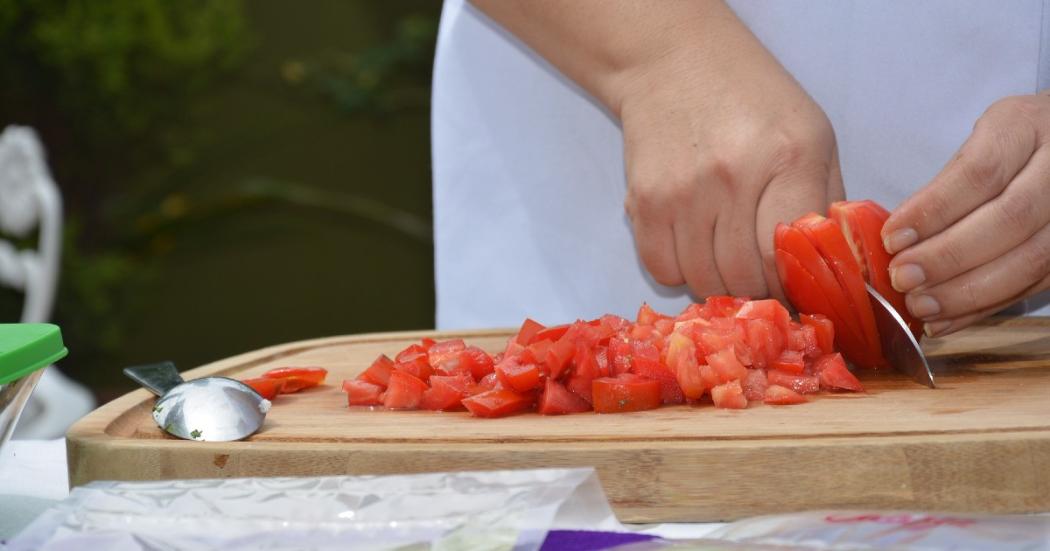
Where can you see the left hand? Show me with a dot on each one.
(977, 238)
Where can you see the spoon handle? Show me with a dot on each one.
(158, 378)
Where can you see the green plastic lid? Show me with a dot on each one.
(27, 347)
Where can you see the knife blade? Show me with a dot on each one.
(898, 344)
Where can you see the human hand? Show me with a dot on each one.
(977, 237)
(721, 144)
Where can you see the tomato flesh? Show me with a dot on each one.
(379, 372)
(404, 392)
(782, 396)
(363, 393)
(558, 400)
(834, 375)
(297, 378)
(625, 393)
(266, 387)
(497, 403)
(729, 396)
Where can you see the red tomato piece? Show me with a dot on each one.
(621, 355)
(379, 372)
(404, 392)
(824, 328)
(727, 366)
(427, 342)
(804, 384)
(518, 376)
(764, 341)
(861, 223)
(625, 393)
(755, 385)
(413, 360)
(834, 375)
(529, 329)
(486, 383)
(782, 396)
(297, 378)
(722, 306)
(497, 403)
(481, 363)
(681, 358)
(454, 364)
(558, 356)
(440, 351)
(536, 352)
(670, 390)
(664, 326)
(693, 311)
(551, 333)
(790, 361)
(767, 309)
(812, 342)
(558, 400)
(729, 396)
(614, 323)
(362, 393)
(266, 387)
(446, 392)
(601, 356)
(648, 316)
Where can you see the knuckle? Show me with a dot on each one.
(980, 172)
(1027, 107)
(721, 168)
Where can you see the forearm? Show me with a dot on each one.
(608, 46)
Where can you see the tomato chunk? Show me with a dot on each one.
(446, 392)
(558, 400)
(518, 376)
(497, 403)
(790, 361)
(297, 378)
(363, 393)
(755, 385)
(804, 384)
(414, 361)
(778, 395)
(379, 372)
(727, 366)
(834, 375)
(528, 330)
(404, 392)
(729, 395)
(266, 387)
(625, 393)
(824, 328)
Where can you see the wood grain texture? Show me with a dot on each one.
(979, 442)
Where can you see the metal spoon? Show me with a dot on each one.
(213, 409)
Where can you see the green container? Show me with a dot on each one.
(25, 350)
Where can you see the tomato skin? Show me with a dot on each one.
(379, 372)
(297, 378)
(782, 396)
(729, 396)
(362, 393)
(558, 400)
(404, 392)
(497, 403)
(625, 393)
(266, 387)
(834, 375)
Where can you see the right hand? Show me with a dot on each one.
(721, 144)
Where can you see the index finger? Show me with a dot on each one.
(997, 150)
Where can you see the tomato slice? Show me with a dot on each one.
(362, 393)
(827, 236)
(497, 403)
(782, 396)
(558, 400)
(297, 378)
(266, 387)
(379, 372)
(861, 223)
(729, 396)
(834, 375)
(625, 393)
(404, 392)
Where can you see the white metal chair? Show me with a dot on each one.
(29, 199)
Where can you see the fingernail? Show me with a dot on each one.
(900, 240)
(923, 306)
(935, 328)
(907, 277)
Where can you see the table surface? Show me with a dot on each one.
(33, 477)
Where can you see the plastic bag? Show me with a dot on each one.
(497, 510)
(863, 530)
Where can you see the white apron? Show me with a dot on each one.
(528, 171)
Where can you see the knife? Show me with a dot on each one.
(898, 344)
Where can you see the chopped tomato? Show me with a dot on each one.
(824, 328)
(297, 378)
(379, 372)
(427, 342)
(446, 392)
(648, 316)
(528, 330)
(558, 356)
(537, 351)
(518, 376)
(778, 395)
(799, 383)
(727, 366)
(670, 390)
(362, 393)
(681, 358)
(413, 360)
(729, 395)
(404, 392)
(769, 309)
(486, 383)
(441, 351)
(481, 364)
(557, 400)
(834, 375)
(790, 361)
(497, 403)
(625, 393)
(266, 387)
(755, 385)
(551, 333)
(621, 355)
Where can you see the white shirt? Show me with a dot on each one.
(528, 169)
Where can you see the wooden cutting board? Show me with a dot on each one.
(979, 442)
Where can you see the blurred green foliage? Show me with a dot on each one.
(168, 127)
